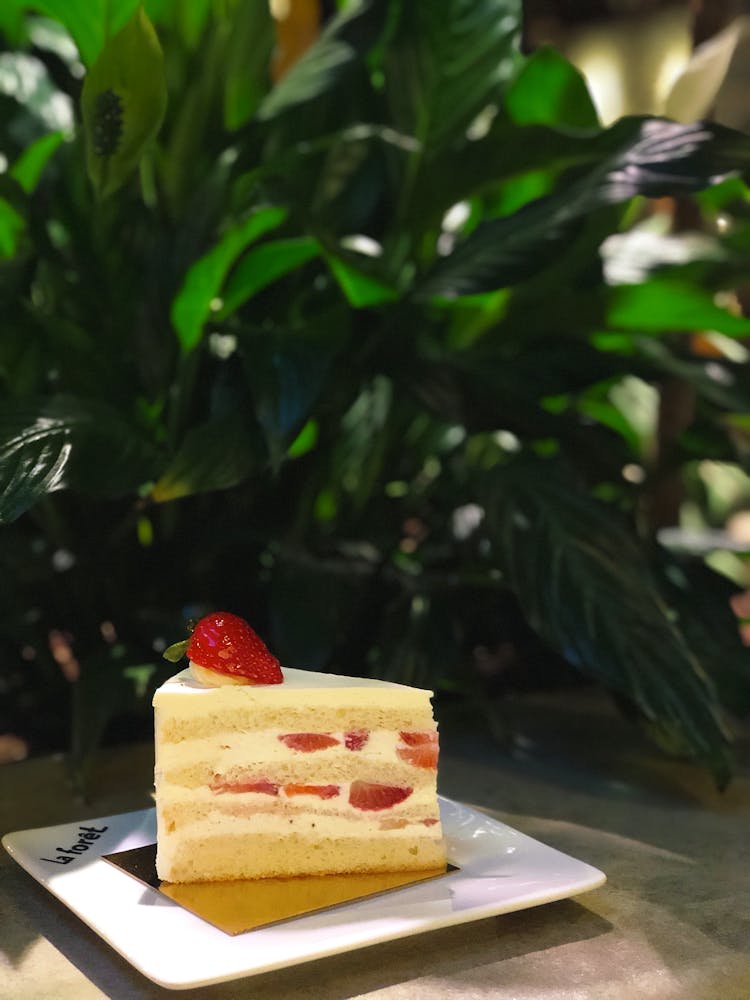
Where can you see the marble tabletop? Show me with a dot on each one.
(671, 923)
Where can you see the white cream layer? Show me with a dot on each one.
(183, 697)
(315, 825)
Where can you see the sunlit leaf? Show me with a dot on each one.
(11, 227)
(550, 91)
(12, 22)
(29, 166)
(663, 305)
(89, 22)
(305, 440)
(263, 265)
(362, 290)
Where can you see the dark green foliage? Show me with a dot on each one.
(252, 363)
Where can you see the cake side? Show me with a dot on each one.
(254, 855)
(320, 774)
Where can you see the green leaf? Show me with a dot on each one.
(506, 153)
(550, 91)
(663, 305)
(32, 464)
(287, 369)
(65, 442)
(635, 156)
(89, 22)
(29, 166)
(123, 102)
(445, 70)
(12, 23)
(586, 586)
(485, 388)
(360, 452)
(724, 385)
(323, 66)
(12, 226)
(215, 455)
(310, 608)
(447, 62)
(305, 440)
(263, 265)
(627, 406)
(362, 291)
(176, 651)
(701, 600)
(513, 194)
(101, 693)
(203, 282)
(188, 20)
(246, 75)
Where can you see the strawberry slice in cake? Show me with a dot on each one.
(262, 772)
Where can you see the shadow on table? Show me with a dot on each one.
(440, 954)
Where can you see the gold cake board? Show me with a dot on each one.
(244, 905)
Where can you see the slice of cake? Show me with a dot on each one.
(303, 774)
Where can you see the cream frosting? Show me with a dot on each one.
(183, 696)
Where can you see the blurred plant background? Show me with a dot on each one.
(372, 322)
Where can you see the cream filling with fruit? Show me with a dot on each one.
(236, 748)
(416, 802)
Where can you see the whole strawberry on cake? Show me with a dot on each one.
(262, 772)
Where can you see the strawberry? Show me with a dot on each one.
(227, 650)
(218, 786)
(371, 797)
(355, 739)
(307, 742)
(418, 739)
(322, 791)
(424, 755)
(394, 823)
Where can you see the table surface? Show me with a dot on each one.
(671, 923)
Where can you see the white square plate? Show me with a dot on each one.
(499, 870)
